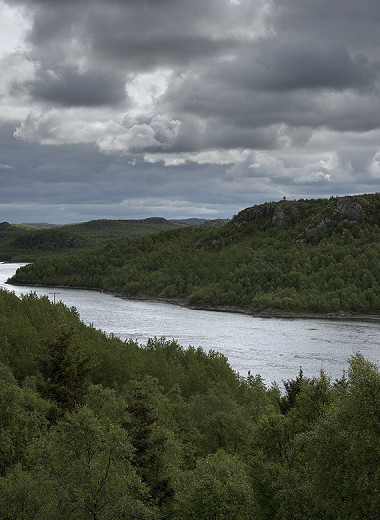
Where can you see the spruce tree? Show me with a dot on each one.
(64, 372)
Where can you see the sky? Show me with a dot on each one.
(175, 108)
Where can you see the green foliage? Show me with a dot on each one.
(292, 390)
(28, 242)
(24, 496)
(22, 419)
(317, 256)
(344, 449)
(64, 372)
(158, 451)
(218, 488)
(85, 470)
(161, 432)
(321, 459)
(20, 244)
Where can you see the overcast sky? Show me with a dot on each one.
(181, 108)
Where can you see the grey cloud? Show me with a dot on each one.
(68, 87)
(348, 113)
(98, 185)
(349, 21)
(227, 136)
(52, 23)
(306, 64)
(240, 79)
(241, 108)
(353, 161)
(246, 102)
(149, 51)
(145, 34)
(174, 136)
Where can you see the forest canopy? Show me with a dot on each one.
(29, 242)
(316, 256)
(92, 427)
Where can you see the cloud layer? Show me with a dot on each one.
(135, 108)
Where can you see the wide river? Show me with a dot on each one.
(275, 348)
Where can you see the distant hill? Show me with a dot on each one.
(105, 231)
(37, 225)
(319, 255)
(28, 242)
(20, 244)
(191, 221)
(5, 226)
(203, 222)
(216, 222)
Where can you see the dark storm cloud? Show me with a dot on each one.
(252, 88)
(290, 82)
(303, 64)
(76, 182)
(144, 34)
(353, 22)
(50, 173)
(315, 44)
(68, 87)
(150, 34)
(82, 176)
(178, 104)
(145, 51)
(191, 136)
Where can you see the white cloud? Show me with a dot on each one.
(14, 25)
(218, 157)
(145, 89)
(374, 167)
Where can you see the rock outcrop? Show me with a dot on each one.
(343, 211)
(273, 214)
(319, 215)
(5, 226)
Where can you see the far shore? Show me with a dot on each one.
(268, 313)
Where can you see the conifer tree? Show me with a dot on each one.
(150, 444)
(64, 372)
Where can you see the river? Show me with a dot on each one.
(275, 348)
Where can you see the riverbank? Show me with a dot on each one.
(268, 313)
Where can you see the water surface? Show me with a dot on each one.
(275, 348)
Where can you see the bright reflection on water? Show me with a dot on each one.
(274, 348)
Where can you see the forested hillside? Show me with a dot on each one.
(95, 428)
(26, 243)
(318, 256)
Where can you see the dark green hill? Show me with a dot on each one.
(5, 226)
(38, 225)
(33, 241)
(29, 242)
(105, 231)
(20, 244)
(191, 221)
(299, 256)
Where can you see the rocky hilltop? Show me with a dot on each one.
(320, 215)
(5, 226)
